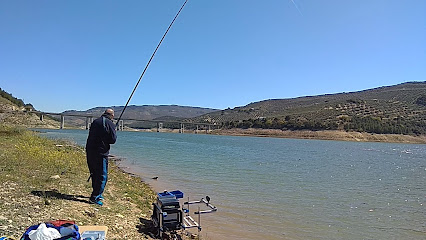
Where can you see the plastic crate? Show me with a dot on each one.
(173, 194)
(165, 195)
(177, 193)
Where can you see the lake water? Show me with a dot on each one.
(272, 188)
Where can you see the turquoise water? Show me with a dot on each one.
(271, 188)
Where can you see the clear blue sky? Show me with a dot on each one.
(75, 55)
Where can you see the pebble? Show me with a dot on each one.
(3, 218)
(119, 215)
(55, 177)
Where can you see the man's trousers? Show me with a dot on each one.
(98, 167)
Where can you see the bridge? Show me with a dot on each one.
(160, 123)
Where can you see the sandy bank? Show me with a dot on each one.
(325, 135)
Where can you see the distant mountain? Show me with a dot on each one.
(150, 112)
(144, 112)
(392, 109)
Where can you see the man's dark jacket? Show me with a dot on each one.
(101, 135)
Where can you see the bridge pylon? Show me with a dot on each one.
(62, 121)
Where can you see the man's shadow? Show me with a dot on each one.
(57, 195)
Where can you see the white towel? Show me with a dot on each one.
(44, 233)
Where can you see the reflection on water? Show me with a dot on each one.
(269, 188)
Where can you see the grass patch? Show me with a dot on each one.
(29, 194)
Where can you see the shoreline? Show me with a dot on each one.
(157, 187)
(333, 135)
(125, 166)
(214, 232)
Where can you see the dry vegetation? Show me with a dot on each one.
(29, 120)
(325, 135)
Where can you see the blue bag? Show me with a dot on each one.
(72, 228)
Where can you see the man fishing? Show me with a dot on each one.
(101, 135)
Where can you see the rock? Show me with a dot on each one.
(3, 218)
(119, 215)
(90, 214)
(55, 177)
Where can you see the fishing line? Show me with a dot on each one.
(152, 56)
(297, 7)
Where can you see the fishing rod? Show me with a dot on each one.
(146, 67)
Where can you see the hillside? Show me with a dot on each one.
(393, 109)
(8, 100)
(14, 112)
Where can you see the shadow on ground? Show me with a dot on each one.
(147, 227)
(57, 195)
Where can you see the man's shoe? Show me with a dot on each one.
(101, 197)
(97, 202)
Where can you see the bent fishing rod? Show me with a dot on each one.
(149, 62)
